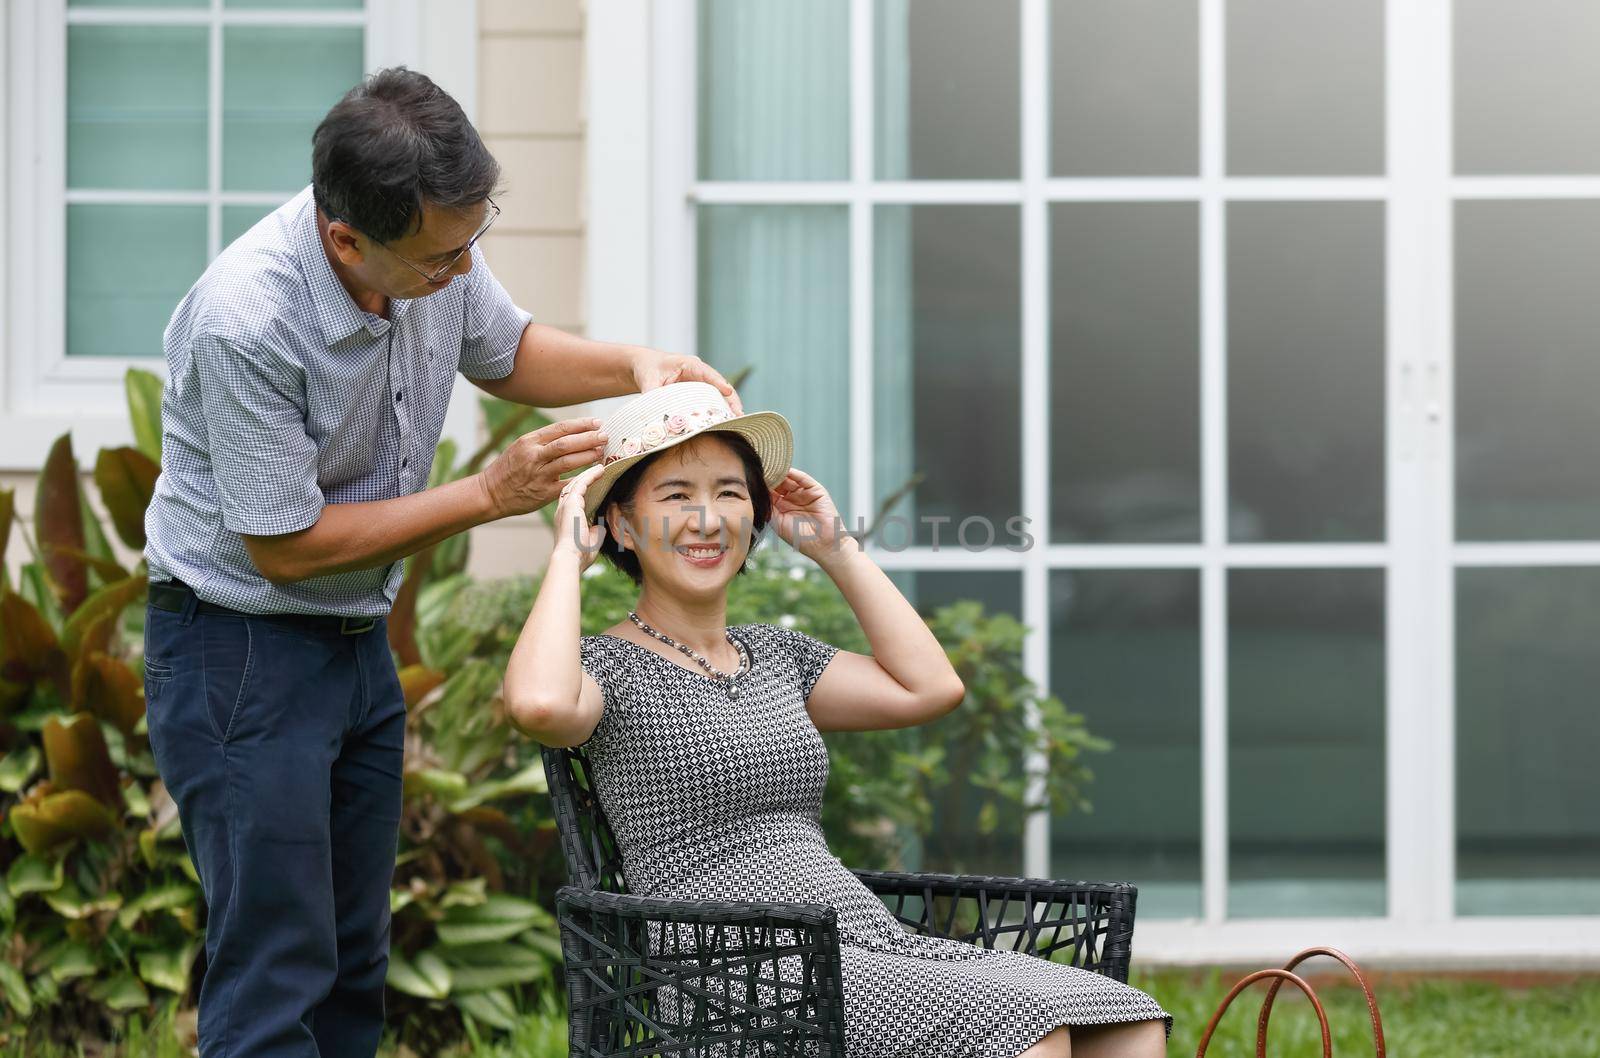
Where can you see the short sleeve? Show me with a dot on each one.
(263, 461)
(810, 655)
(493, 326)
(597, 660)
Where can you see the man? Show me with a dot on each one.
(309, 373)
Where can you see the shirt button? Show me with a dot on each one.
(405, 462)
(397, 394)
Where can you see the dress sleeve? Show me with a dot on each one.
(600, 663)
(811, 655)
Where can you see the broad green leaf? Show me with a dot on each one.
(138, 802)
(497, 918)
(76, 754)
(437, 781)
(469, 893)
(8, 906)
(126, 478)
(68, 960)
(529, 780)
(95, 543)
(169, 968)
(400, 899)
(58, 521)
(483, 966)
(122, 992)
(144, 410)
(71, 902)
(28, 643)
(19, 766)
(164, 898)
(109, 689)
(54, 819)
(111, 599)
(15, 988)
(34, 874)
(426, 977)
(493, 1007)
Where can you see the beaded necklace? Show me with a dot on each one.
(726, 677)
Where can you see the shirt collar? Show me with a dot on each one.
(338, 316)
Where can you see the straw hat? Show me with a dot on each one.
(670, 415)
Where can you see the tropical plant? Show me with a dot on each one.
(99, 910)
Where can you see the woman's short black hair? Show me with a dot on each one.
(395, 141)
(621, 497)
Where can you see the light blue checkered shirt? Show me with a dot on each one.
(282, 396)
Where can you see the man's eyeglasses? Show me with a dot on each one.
(444, 270)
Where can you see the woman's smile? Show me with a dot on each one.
(704, 556)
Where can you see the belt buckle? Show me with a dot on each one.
(349, 626)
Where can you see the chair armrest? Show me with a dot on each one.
(645, 973)
(1086, 924)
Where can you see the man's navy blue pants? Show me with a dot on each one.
(281, 739)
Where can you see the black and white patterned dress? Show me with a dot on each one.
(715, 791)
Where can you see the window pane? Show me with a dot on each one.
(774, 295)
(1527, 833)
(136, 107)
(1125, 372)
(947, 372)
(236, 220)
(1305, 88)
(127, 269)
(1306, 371)
(1527, 87)
(1125, 652)
(1125, 88)
(276, 86)
(962, 840)
(281, 5)
(948, 90)
(774, 90)
(1306, 742)
(137, 3)
(1527, 370)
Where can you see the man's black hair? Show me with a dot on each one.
(622, 492)
(395, 141)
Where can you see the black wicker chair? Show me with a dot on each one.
(648, 976)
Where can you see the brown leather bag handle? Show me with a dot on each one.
(1349, 964)
(1280, 976)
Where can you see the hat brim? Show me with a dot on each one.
(767, 431)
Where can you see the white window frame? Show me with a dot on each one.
(44, 392)
(641, 158)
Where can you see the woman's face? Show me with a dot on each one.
(693, 519)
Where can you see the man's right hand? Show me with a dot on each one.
(527, 475)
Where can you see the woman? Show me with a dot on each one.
(704, 739)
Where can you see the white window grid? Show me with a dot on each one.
(1418, 555)
(44, 390)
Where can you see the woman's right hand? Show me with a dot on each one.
(574, 534)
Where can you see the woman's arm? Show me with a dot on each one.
(547, 693)
(907, 679)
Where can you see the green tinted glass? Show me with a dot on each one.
(277, 84)
(127, 269)
(136, 107)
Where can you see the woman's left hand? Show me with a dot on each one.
(652, 368)
(804, 515)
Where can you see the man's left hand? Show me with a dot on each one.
(652, 368)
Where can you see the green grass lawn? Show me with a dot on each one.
(1423, 1019)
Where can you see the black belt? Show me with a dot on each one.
(176, 596)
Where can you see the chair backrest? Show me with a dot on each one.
(593, 860)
